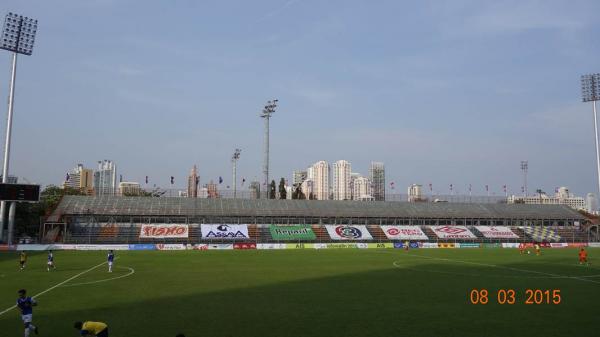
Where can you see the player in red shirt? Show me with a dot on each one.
(583, 256)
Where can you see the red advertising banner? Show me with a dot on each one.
(244, 246)
(161, 231)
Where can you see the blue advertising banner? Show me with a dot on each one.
(142, 246)
(398, 245)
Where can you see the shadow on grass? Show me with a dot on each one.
(390, 302)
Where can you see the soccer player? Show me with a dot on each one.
(23, 259)
(26, 304)
(406, 244)
(583, 257)
(89, 328)
(111, 258)
(522, 248)
(538, 251)
(50, 260)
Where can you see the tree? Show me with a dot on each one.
(282, 191)
(311, 196)
(298, 194)
(272, 188)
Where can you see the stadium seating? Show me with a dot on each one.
(377, 233)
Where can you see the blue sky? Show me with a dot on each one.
(443, 92)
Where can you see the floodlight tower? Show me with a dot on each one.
(234, 159)
(590, 92)
(524, 168)
(267, 111)
(18, 36)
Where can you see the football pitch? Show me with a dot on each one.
(387, 292)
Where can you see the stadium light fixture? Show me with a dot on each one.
(590, 92)
(266, 113)
(18, 37)
(234, 159)
(524, 168)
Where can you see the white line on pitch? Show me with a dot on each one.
(56, 286)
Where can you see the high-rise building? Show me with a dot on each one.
(105, 179)
(307, 188)
(561, 197)
(353, 177)
(415, 193)
(299, 177)
(377, 177)
(129, 188)
(341, 180)
(591, 203)
(81, 179)
(193, 181)
(255, 190)
(212, 190)
(320, 178)
(362, 189)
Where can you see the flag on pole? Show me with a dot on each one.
(243, 181)
(392, 185)
(487, 188)
(470, 187)
(120, 178)
(450, 187)
(430, 187)
(172, 180)
(220, 180)
(504, 187)
(67, 178)
(146, 179)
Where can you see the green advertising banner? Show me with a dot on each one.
(292, 232)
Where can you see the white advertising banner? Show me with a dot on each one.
(452, 232)
(497, 232)
(219, 246)
(404, 233)
(102, 247)
(271, 246)
(227, 232)
(348, 232)
(196, 246)
(559, 244)
(428, 245)
(170, 246)
(163, 231)
(510, 245)
(594, 244)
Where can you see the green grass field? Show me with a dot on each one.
(306, 293)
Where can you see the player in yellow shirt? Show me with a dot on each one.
(89, 328)
(538, 251)
(23, 259)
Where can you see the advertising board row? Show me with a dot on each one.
(336, 232)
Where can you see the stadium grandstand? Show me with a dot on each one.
(113, 219)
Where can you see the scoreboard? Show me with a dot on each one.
(19, 192)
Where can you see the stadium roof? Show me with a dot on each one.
(198, 207)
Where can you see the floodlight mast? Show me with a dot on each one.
(267, 111)
(18, 37)
(590, 92)
(234, 159)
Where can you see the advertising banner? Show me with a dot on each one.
(452, 232)
(380, 245)
(320, 246)
(61, 246)
(197, 246)
(510, 245)
(414, 245)
(271, 246)
(219, 246)
(404, 233)
(244, 246)
(33, 247)
(428, 245)
(227, 232)
(446, 245)
(299, 245)
(497, 232)
(5, 247)
(399, 245)
(143, 246)
(468, 245)
(170, 246)
(292, 232)
(102, 247)
(594, 244)
(348, 232)
(577, 244)
(164, 231)
(559, 245)
(492, 245)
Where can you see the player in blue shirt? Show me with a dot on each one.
(50, 260)
(111, 258)
(26, 304)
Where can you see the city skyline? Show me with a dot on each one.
(465, 141)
